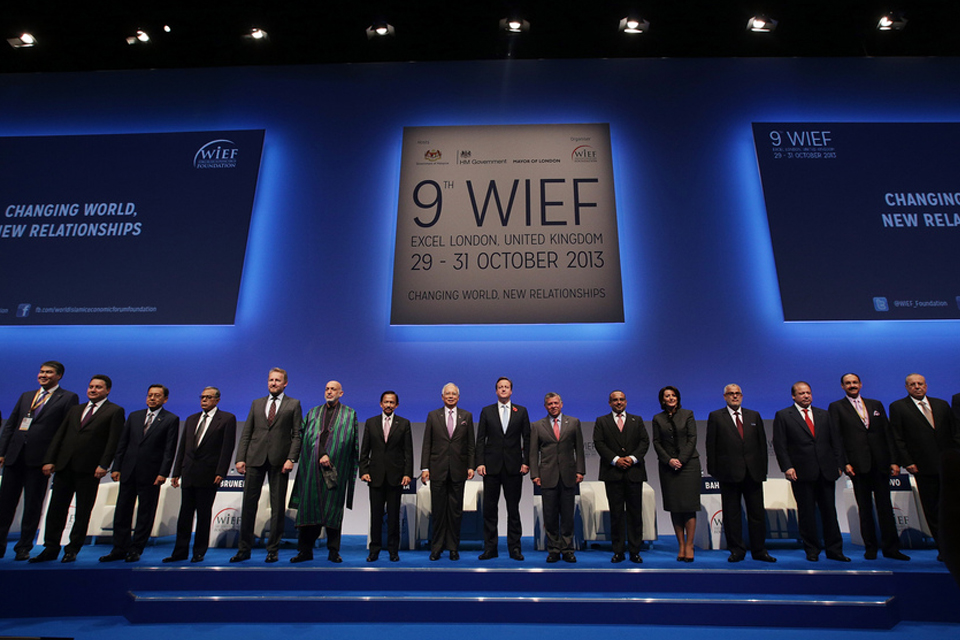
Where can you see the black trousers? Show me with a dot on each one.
(446, 511)
(751, 492)
(811, 497)
(870, 487)
(18, 478)
(194, 501)
(386, 496)
(625, 499)
(308, 534)
(512, 485)
(929, 488)
(146, 495)
(251, 498)
(558, 509)
(67, 484)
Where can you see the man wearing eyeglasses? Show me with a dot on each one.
(203, 459)
(737, 458)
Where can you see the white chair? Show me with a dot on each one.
(595, 511)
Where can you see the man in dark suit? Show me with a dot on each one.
(80, 453)
(810, 454)
(203, 459)
(621, 441)
(143, 462)
(503, 458)
(269, 447)
(923, 428)
(386, 465)
(23, 443)
(557, 466)
(448, 462)
(737, 458)
(868, 446)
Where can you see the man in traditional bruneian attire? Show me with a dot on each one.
(327, 474)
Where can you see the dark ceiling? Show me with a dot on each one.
(85, 36)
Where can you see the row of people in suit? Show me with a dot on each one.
(49, 431)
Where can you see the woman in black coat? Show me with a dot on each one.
(675, 441)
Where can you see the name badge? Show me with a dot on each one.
(25, 423)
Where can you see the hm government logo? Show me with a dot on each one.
(584, 153)
(432, 155)
(464, 156)
(217, 154)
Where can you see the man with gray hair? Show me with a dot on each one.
(448, 462)
(203, 459)
(557, 466)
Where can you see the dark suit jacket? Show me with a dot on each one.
(730, 458)
(955, 404)
(199, 466)
(83, 450)
(388, 461)
(144, 457)
(33, 444)
(447, 457)
(915, 440)
(503, 452)
(554, 460)
(796, 448)
(610, 443)
(864, 449)
(261, 443)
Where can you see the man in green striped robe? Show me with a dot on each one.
(330, 442)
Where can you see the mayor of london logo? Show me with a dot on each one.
(217, 154)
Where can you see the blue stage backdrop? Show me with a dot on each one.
(701, 303)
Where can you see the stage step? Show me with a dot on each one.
(634, 596)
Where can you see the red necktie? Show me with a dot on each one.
(620, 422)
(273, 412)
(740, 424)
(806, 416)
(556, 428)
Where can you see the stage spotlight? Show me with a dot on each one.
(256, 35)
(634, 25)
(24, 41)
(380, 30)
(514, 25)
(761, 24)
(141, 37)
(892, 22)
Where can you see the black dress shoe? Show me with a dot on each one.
(734, 557)
(434, 556)
(553, 557)
(870, 554)
(939, 558)
(373, 556)
(175, 559)
(635, 558)
(813, 557)
(617, 557)
(241, 556)
(764, 557)
(197, 557)
(133, 556)
(21, 556)
(895, 555)
(301, 557)
(454, 555)
(394, 557)
(69, 557)
(334, 557)
(839, 557)
(569, 557)
(272, 556)
(688, 560)
(516, 555)
(487, 555)
(113, 556)
(46, 555)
